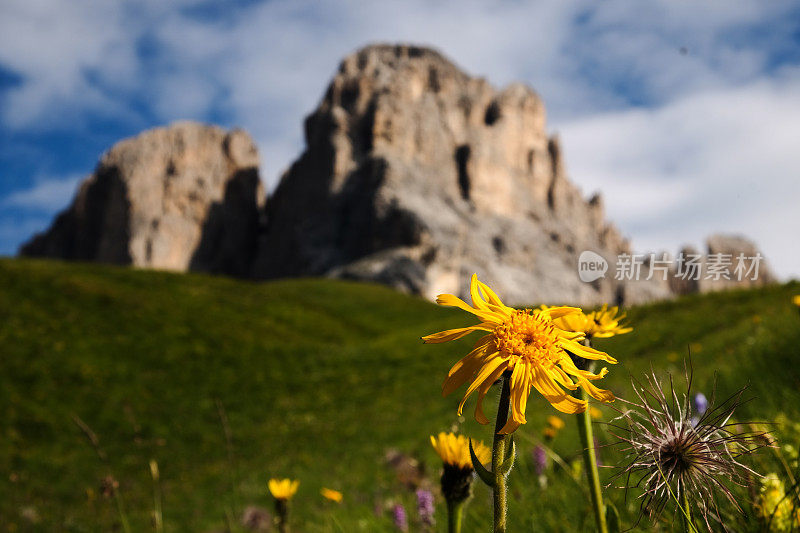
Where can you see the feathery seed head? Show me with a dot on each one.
(671, 453)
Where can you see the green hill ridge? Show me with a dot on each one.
(315, 380)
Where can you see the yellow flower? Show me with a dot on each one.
(796, 300)
(595, 413)
(550, 432)
(555, 422)
(283, 489)
(454, 450)
(527, 344)
(332, 495)
(774, 505)
(601, 323)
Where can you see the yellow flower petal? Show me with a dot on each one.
(559, 399)
(484, 388)
(475, 294)
(534, 347)
(448, 300)
(587, 352)
(555, 422)
(492, 298)
(453, 334)
(283, 489)
(520, 389)
(454, 450)
(465, 368)
(332, 495)
(563, 311)
(483, 374)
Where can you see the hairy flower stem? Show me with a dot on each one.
(454, 514)
(688, 527)
(499, 450)
(590, 460)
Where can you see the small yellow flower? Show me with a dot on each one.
(283, 489)
(332, 495)
(595, 413)
(154, 469)
(454, 450)
(774, 505)
(555, 422)
(601, 323)
(549, 432)
(529, 346)
(576, 468)
(796, 300)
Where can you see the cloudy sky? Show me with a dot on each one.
(685, 114)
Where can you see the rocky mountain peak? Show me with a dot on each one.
(187, 196)
(417, 174)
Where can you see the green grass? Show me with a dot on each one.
(317, 378)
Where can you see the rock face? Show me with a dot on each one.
(730, 261)
(414, 175)
(184, 197)
(417, 175)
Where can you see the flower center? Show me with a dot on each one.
(530, 335)
(679, 452)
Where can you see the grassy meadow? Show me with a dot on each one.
(227, 383)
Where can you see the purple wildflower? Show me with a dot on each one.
(539, 459)
(400, 517)
(425, 507)
(700, 403)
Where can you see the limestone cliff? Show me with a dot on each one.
(416, 174)
(182, 197)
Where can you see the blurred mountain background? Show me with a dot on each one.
(682, 116)
(414, 175)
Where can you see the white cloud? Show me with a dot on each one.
(273, 60)
(48, 194)
(717, 161)
(56, 47)
(672, 108)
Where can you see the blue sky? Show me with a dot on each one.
(685, 115)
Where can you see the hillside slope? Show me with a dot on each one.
(317, 380)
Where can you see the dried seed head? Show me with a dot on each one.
(673, 452)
